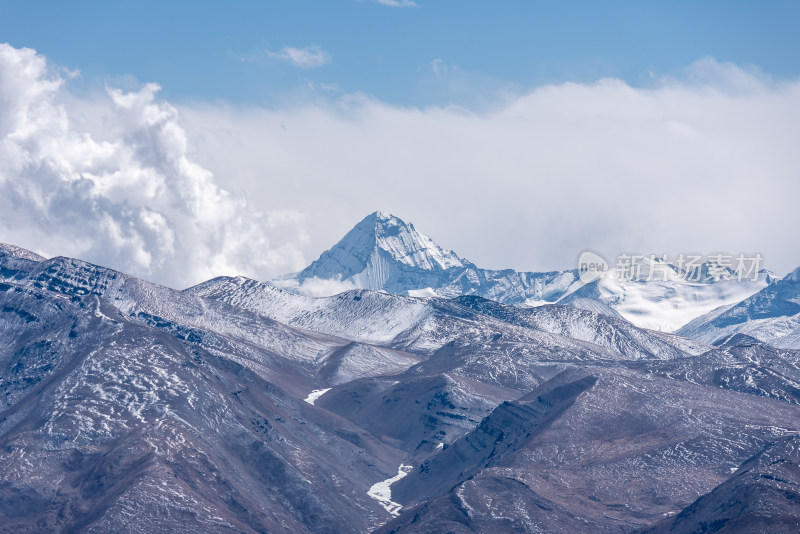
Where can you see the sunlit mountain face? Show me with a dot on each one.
(428, 396)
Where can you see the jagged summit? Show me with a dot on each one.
(380, 241)
(20, 252)
(405, 244)
(383, 252)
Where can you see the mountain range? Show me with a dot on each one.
(771, 315)
(400, 404)
(383, 252)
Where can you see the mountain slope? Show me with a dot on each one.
(235, 406)
(763, 495)
(382, 252)
(270, 348)
(425, 325)
(664, 297)
(591, 450)
(772, 315)
(741, 364)
(109, 424)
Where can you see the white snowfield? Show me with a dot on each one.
(668, 301)
(382, 491)
(316, 394)
(772, 316)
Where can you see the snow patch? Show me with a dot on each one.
(314, 395)
(668, 302)
(382, 491)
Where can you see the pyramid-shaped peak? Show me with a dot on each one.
(374, 245)
(403, 243)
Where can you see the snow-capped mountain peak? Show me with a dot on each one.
(383, 252)
(663, 296)
(405, 244)
(376, 250)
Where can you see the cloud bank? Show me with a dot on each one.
(704, 162)
(127, 194)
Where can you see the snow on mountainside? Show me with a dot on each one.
(772, 315)
(381, 232)
(365, 316)
(111, 424)
(669, 299)
(249, 339)
(382, 252)
(425, 325)
(235, 406)
(19, 252)
(763, 492)
(545, 463)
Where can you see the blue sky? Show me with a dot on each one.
(220, 50)
(183, 140)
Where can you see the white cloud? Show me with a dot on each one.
(323, 86)
(699, 164)
(440, 68)
(702, 164)
(727, 76)
(307, 58)
(397, 3)
(317, 287)
(128, 194)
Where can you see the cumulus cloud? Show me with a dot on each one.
(307, 58)
(127, 194)
(702, 162)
